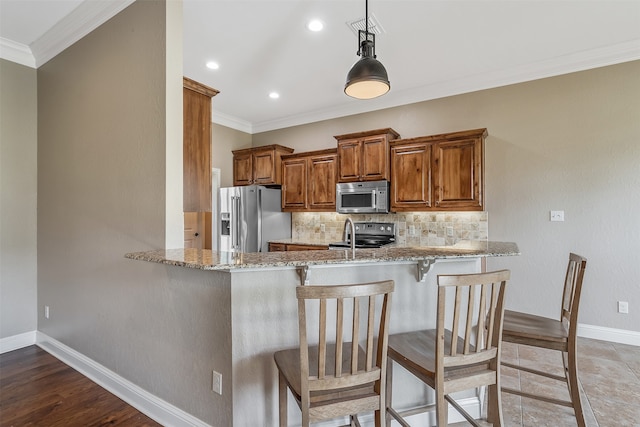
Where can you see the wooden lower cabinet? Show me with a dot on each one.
(277, 247)
(439, 172)
(296, 247)
(197, 230)
(281, 247)
(309, 181)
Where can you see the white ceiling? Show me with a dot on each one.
(431, 48)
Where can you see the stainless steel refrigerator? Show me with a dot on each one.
(250, 217)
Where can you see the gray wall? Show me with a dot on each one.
(18, 197)
(225, 140)
(102, 149)
(564, 143)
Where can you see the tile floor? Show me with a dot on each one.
(609, 375)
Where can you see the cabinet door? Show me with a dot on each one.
(411, 177)
(197, 230)
(264, 167)
(295, 247)
(349, 154)
(457, 173)
(196, 151)
(294, 184)
(375, 158)
(323, 171)
(243, 169)
(277, 247)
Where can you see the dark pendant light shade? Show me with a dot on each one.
(367, 78)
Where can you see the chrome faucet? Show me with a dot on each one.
(348, 222)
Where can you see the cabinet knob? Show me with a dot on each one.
(197, 234)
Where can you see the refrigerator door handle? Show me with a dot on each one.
(259, 220)
(236, 235)
(233, 221)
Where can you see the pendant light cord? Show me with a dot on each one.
(366, 19)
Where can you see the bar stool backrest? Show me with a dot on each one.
(335, 361)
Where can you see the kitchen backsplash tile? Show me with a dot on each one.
(412, 228)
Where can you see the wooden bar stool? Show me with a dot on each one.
(463, 352)
(561, 335)
(337, 377)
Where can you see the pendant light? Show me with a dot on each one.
(367, 78)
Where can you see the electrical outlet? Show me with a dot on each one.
(322, 228)
(623, 307)
(556, 216)
(216, 382)
(412, 230)
(46, 311)
(449, 231)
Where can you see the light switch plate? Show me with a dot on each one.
(556, 216)
(216, 383)
(623, 307)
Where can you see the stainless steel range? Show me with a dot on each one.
(369, 235)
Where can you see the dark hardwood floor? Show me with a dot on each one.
(36, 389)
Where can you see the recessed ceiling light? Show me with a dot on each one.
(213, 65)
(274, 95)
(315, 25)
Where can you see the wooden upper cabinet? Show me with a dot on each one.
(410, 175)
(349, 160)
(294, 184)
(438, 172)
(196, 100)
(364, 156)
(260, 165)
(375, 158)
(243, 168)
(458, 173)
(264, 167)
(323, 174)
(309, 181)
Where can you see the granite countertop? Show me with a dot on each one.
(205, 259)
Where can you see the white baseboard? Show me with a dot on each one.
(150, 405)
(621, 336)
(15, 342)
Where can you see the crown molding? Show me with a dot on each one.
(88, 16)
(574, 62)
(16, 52)
(231, 121)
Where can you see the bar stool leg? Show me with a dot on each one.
(574, 389)
(282, 400)
(389, 386)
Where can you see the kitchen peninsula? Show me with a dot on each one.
(255, 309)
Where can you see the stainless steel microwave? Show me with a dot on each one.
(362, 197)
